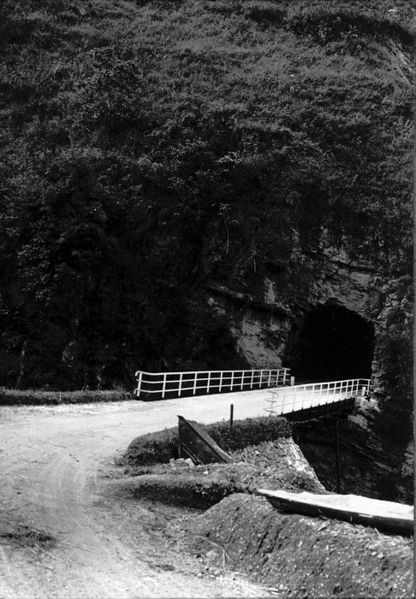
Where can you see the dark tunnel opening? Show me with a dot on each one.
(333, 343)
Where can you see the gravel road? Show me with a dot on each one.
(63, 533)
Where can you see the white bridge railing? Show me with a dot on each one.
(161, 385)
(302, 397)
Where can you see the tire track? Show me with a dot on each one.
(50, 459)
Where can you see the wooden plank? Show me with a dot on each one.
(383, 515)
(198, 444)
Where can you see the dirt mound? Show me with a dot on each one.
(279, 461)
(162, 446)
(300, 556)
(272, 464)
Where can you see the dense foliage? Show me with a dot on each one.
(148, 147)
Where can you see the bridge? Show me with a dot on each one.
(252, 393)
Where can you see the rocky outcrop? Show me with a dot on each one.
(366, 466)
(269, 325)
(262, 323)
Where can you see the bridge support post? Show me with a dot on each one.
(231, 418)
(338, 472)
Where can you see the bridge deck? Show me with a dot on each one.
(252, 392)
(250, 404)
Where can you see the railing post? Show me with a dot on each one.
(139, 383)
(164, 385)
(242, 380)
(232, 380)
(292, 381)
(180, 383)
(252, 379)
(195, 379)
(208, 381)
(221, 375)
(270, 378)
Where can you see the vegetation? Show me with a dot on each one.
(34, 397)
(159, 447)
(203, 486)
(148, 147)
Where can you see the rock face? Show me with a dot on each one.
(340, 319)
(172, 202)
(366, 465)
(263, 325)
(334, 302)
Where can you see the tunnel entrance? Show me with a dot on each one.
(333, 343)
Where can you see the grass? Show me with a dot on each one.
(155, 448)
(32, 397)
(262, 464)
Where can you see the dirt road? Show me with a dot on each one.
(64, 532)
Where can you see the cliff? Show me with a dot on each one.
(206, 184)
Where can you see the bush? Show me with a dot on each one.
(251, 431)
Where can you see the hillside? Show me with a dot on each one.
(183, 183)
